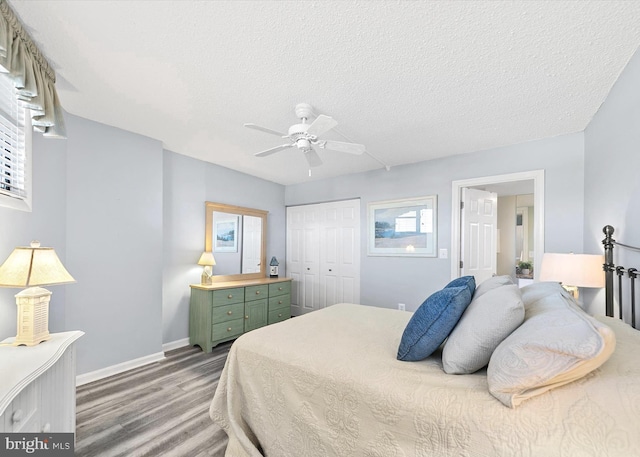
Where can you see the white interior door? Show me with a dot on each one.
(251, 244)
(479, 219)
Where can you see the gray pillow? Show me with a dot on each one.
(492, 283)
(555, 345)
(488, 320)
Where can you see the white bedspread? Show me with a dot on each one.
(328, 383)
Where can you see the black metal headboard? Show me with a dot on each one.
(610, 268)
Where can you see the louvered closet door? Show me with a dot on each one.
(323, 254)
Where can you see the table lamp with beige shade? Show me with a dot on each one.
(32, 267)
(573, 270)
(207, 261)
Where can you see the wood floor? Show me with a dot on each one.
(161, 409)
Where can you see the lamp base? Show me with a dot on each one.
(206, 280)
(573, 290)
(33, 316)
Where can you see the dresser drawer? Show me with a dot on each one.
(227, 329)
(228, 296)
(279, 288)
(281, 301)
(227, 312)
(278, 315)
(256, 292)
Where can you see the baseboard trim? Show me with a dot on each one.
(175, 344)
(118, 368)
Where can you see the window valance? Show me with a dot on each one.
(33, 77)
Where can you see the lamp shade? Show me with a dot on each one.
(33, 266)
(206, 259)
(581, 270)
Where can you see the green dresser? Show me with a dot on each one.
(224, 311)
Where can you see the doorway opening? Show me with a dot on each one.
(513, 184)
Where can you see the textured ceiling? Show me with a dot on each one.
(410, 80)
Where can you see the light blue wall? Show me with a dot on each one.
(188, 183)
(114, 243)
(612, 173)
(385, 281)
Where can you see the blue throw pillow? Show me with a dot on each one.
(468, 281)
(432, 322)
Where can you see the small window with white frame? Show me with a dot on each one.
(15, 149)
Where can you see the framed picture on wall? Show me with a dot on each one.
(405, 227)
(225, 235)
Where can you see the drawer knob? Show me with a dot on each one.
(246, 317)
(279, 302)
(257, 292)
(280, 315)
(230, 296)
(16, 416)
(229, 313)
(46, 428)
(279, 288)
(228, 329)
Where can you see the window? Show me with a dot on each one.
(15, 149)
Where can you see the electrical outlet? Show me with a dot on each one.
(401, 306)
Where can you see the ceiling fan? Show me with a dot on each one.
(305, 136)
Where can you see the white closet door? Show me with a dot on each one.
(340, 253)
(323, 254)
(303, 257)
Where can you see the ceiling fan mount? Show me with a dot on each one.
(304, 136)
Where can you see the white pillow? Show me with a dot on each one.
(492, 283)
(556, 344)
(488, 320)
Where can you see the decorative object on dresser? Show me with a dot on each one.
(225, 310)
(273, 267)
(573, 270)
(207, 261)
(38, 386)
(32, 267)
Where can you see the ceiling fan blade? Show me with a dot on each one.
(273, 150)
(264, 129)
(340, 146)
(321, 124)
(313, 158)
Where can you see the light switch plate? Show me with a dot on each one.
(443, 253)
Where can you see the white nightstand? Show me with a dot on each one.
(38, 385)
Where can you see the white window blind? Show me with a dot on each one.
(12, 142)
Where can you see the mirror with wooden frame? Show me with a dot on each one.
(237, 238)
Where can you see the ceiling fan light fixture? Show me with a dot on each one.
(303, 144)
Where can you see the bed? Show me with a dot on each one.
(329, 383)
